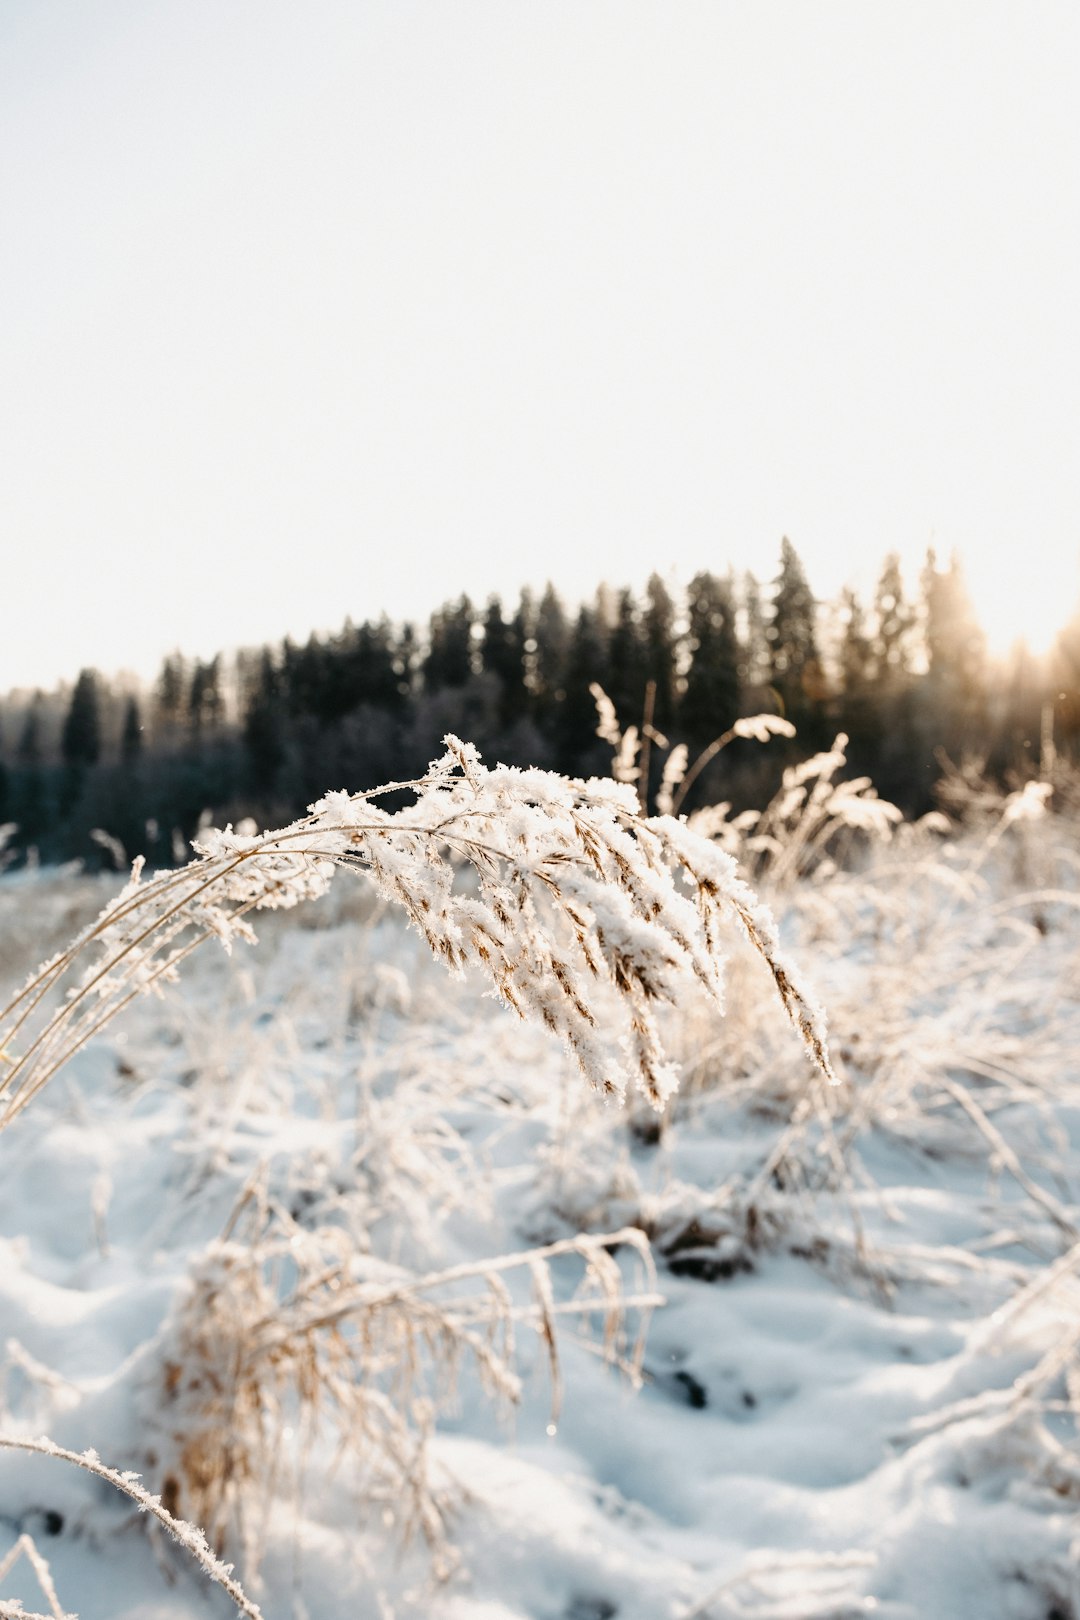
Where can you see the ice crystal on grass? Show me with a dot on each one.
(554, 889)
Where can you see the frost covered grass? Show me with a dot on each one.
(570, 885)
(327, 1239)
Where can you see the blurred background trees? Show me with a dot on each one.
(263, 731)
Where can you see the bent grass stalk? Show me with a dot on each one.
(186, 1534)
(573, 883)
(574, 892)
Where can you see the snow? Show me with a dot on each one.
(848, 1406)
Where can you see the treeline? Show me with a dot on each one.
(262, 733)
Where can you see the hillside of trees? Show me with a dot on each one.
(262, 732)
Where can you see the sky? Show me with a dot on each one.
(340, 308)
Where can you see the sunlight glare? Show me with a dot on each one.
(1029, 599)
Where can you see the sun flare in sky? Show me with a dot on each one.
(340, 310)
(1028, 599)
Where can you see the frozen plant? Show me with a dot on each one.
(281, 1326)
(583, 913)
(551, 887)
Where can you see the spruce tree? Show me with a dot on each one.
(503, 656)
(449, 660)
(30, 799)
(955, 645)
(710, 702)
(894, 621)
(795, 668)
(263, 726)
(627, 662)
(658, 627)
(131, 738)
(955, 687)
(754, 665)
(578, 748)
(169, 694)
(367, 671)
(80, 739)
(552, 638)
(856, 651)
(206, 707)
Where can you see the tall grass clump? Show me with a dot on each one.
(582, 913)
(551, 888)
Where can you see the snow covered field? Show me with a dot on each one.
(857, 1398)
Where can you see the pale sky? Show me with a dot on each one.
(329, 308)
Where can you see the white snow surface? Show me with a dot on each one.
(832, 1420)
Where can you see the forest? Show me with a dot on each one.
(105, 769)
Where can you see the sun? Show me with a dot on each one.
(1029, 596)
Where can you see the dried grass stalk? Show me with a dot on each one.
(571, 888)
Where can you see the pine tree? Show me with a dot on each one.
(449, 660)
(367, 673)
(169, 693)
(894, 623)
(206, 707)
(131, 738)
(856, 652)
(5, 786)
(578, 747)
(263, 726)
(710, 702)
(956, 647)
(80, 739)
(407, 661)
(1065, 670)
(754, 664)
(627, 662)
(503, 656)
(305, 681)
(31, 805)
(658, 626)
(791, 632)
(552, 640)
(955, 687)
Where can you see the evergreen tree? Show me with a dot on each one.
(5, 786)
(407, 661)
(206, 707)
(578, 747)
(856, 651)
(1065, 672)
(31, 804)
(29, 750)
(755, 670)
(131, 738)
(894, 623)
(263, 726)
(304, 680)
(861, 703)
(169, 694)
(627, 662)
(503, 655)
(552, 640)
(449, 660)
(367, 670)
(80, 740)
(710, 702)
(791, 632)
(955, 687)
(658, 626)
(955, 645)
